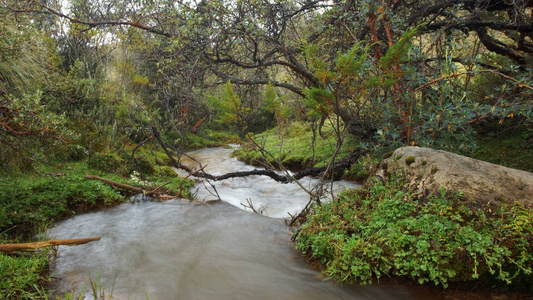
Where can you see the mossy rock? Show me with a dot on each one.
(479, 181)
(105, 162)
(144, 165)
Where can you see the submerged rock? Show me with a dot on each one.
(140, 198)
(479, 181)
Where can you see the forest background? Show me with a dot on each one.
(84, 83)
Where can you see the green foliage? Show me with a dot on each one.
(105, 162)
(27, 202)
(22, 277)
(363, 168)
(397, 52)
(294, 148)
(230, 109)
(383, 229)
(276, 105)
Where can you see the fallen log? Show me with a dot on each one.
(117, 184)
(6, 248)
(135, 189)
(337, 167)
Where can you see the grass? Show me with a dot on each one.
(510, 147)
(23, 277)
(296, 149)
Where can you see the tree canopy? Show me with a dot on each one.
(387, 72)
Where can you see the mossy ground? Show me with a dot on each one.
(294, 147)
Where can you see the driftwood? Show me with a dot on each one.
(6, 248)
(154, 192)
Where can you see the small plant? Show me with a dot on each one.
(135, 177)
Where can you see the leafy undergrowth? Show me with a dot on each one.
(295, 151)
(384, 230)
(29, 202)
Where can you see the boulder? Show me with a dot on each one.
(479, 181)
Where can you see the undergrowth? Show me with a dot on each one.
(384, 229)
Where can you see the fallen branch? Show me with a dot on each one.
(6, 248)
(117, 184)
(134, 189)
(337, 167)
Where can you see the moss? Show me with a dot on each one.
(165, 171)
(425, 162)
(144, 165)
(105, 162)
(434, 170)
(410, 160)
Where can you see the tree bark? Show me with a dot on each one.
(7, 248)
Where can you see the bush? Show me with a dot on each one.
(76, 152)
(385, 229)
(105, 162)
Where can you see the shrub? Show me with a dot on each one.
(385, 229)
(105, 162)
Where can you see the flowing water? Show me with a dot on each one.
(185, 250)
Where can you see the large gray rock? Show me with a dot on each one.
(479, 181)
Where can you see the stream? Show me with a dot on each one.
(190, 250)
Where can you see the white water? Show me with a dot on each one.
(183, 250)
(274, 199)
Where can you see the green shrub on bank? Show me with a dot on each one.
(105, 162)
(383, 229)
